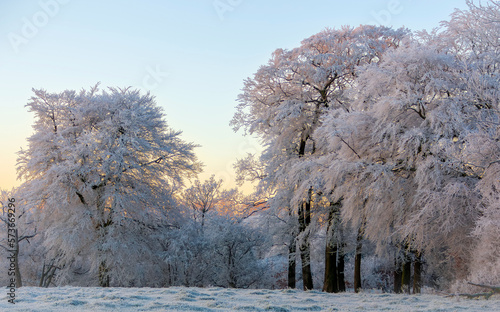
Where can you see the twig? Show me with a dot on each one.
(494, 289)
(352, 149)
(486, 295)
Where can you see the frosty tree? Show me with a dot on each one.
(203, 197)
(18, 229)
(412, 156)
(283, 104)
(391, 135)
(475, 36)
(97, 171)
(414, 114)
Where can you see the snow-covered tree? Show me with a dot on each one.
(226, 251)
(18, 228)
(475, 36)
(234, 248)
(97, 172)
(485, 264)
(202, 198)
(410, 157)
(209, 197)
(417, 114)
(283, 104)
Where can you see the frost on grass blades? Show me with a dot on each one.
(31, 26)
(224, 6)
(217, 299)
(12, 244)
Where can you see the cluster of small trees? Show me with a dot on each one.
(384, 137)
(103, 203)
(217, 246)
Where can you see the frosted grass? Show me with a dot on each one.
(220, 299)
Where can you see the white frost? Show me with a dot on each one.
(221, 299)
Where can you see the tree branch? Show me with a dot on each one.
(486, 295)
(352, 149)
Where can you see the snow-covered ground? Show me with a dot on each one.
(220, 299)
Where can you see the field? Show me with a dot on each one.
(220, 299)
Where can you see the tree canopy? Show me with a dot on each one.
(98, 169)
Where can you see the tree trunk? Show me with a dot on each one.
(340, 268)
(398, 277)
(305, 250)
(103, 229)
(17, 270)
(292, 248)
(305, 256)
(406, 276)
(331, 283)
(103, 274)
(417, 273)
(357, 260)
(230, 266)
(48, 272)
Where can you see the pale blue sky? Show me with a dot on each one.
(193, 55)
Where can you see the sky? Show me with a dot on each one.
(192, 55)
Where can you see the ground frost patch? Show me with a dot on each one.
(76, 299)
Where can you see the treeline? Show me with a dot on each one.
(104, 202)
(388, 139)
(380, 169)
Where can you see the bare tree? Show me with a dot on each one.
(203, 197)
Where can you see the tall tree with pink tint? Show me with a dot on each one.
(283, 104)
